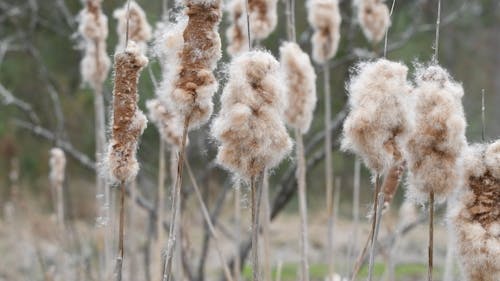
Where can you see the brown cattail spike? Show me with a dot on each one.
(374, 18)
(263, 17)
(236, 32)
(128, 121)
(475, 214)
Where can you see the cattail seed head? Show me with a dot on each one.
(139, 29)
(236, 33)
(474, 216)
(324, 16)
(57, 163)
(374, 18)
(379, 120)
(93, 27)
(434, 148)
(169, 125)
(263, 17)
(249, 125)
(300, 81)
(128, 121)
(193, 83)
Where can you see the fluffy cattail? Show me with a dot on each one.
(192, 81)
(93, 27)
(434, 147)
(57, 163)
(374, 18)
(263, 18)
(128, 121)
(379, 122)
(324, 17)
(167, 45)
(139, 29)
(249, 126)
(169, 125)
(300, 80)
(236, 33)
(475, 216)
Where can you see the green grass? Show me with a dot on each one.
(289, 271)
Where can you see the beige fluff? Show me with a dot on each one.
(374, 18)
(191, 85)
(474, 216)
(435, 146)
(236, 32)
(380, 118)
(93, 27)
(169, 125)
(57, 163)
(263, 18)
(250, 125)
(324, 17)
(128, 122)
(300, 82)
(139, 29)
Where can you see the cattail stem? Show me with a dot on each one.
(208, 220)
(160, 210)
(279, 269)
(237, 220)
(247, 12)
(266, 237)
(301, 180)
(436, 43)
(119, 257)
(431, 235)
(483, 117)
(256, 190)
(355, 202)
(387, 30)
(176, 200)
(377, 216)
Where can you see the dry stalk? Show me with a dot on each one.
(160, 210)
(377, 218)
(301, 180)
(431, 235)
(208, 220)
(266, 238)
(256, 189)
(237, 219)
(119, 257)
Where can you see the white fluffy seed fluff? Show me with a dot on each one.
(474, 213)
(380, 119)
(128, 122)
(236, 32)
(300, 82)
(433, 152)
(139, 29)
(189, 87)
(374, 18)
(263, 18)
(57, 163)
(169, 125)
(324, 17)
(250, 125)
(93, 27)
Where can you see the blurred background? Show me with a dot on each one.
(44, 104)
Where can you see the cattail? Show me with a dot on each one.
(236, 33)
(263, 18)
(324, 16)
(249, 126)
(374, 18)
(57, 163)
(379, 122)
(434, 147)
(128, 121)
(139, 29)
(93, 27)
(193, 82)
(300, 80)
(475, 215)
(169, 125)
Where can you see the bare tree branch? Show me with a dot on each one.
(9, 99)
